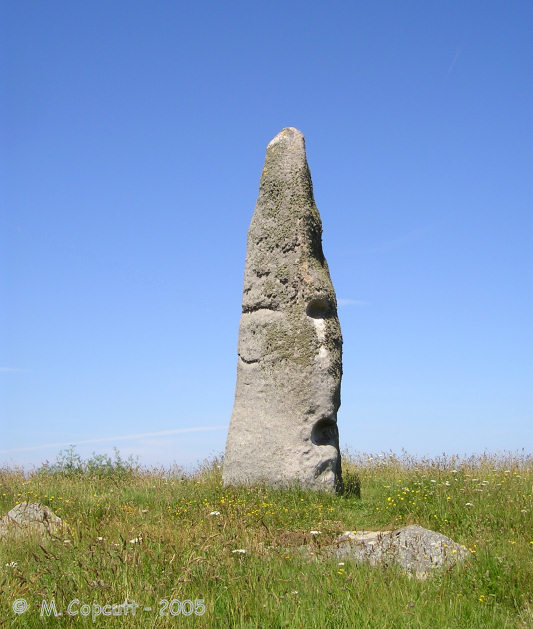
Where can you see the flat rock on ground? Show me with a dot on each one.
(418, 551)
(30, 517)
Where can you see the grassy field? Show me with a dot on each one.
(147, 536)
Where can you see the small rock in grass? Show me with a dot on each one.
(30, 517)
(418, 551)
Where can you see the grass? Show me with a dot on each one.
(148, 536)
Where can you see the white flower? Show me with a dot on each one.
(341, 563)
(447, 483)
(215, 513)
(432, 481)
(315, 532)
(136, 540)
(239, 551)
(100, 539)
(144, 511)
(469, 504)
(11, 564)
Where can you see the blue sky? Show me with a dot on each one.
(133, 138)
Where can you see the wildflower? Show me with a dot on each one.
(315, 532)
(136, 540)
(341, 563)
(144, 511)
(11, 564)
(238, 551)
(215, 513)
(100, 539)
(469, 504)
(294, 592)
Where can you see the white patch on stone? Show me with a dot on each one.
(320, 327)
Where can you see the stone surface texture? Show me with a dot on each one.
(30, 517)
(418, 551)
(283, 428)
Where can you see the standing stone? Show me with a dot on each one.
(283, 428)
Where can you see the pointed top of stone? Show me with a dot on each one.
(285, 158)
(288, 137)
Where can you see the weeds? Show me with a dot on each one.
(149, 536)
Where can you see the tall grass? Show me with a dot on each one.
(153, 535)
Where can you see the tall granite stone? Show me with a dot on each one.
(283, 428)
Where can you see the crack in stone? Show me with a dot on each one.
(249, 362)
(250, 309)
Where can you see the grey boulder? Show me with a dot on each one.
(30, 517)
(418, 551)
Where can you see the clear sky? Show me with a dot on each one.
(133, 137)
